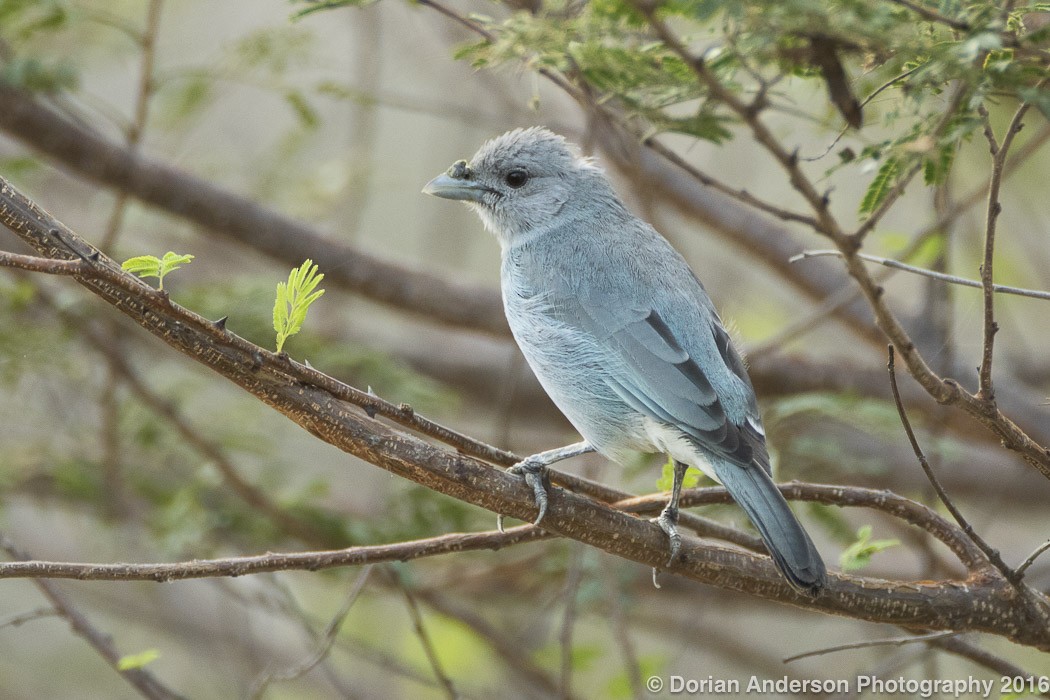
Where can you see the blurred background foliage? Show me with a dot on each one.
(114, 449)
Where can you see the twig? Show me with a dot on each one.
(992, 554)
(889, 641)
(621, 631)
(931, 15)
(961, 647)
(898, 189)
(22, 618)
(428, 645)
(133, 136)
(933, 274)
(874, 93)
(573, 578)
(47, 266)
(714, 183)
(986, 391)
(139, 678)
(507, 647)
(1031, 558)
(324, 646)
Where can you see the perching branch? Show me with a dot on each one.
(984, 603)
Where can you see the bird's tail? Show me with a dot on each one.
(788, 543)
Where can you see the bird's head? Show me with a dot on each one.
(521, 183)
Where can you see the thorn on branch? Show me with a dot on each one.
(220, 324)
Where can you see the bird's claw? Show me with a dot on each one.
(668, 522)
(533, 473)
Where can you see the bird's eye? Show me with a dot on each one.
(516, 178)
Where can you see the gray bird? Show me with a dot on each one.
(622, 335)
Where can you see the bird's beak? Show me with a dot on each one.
(448, 187)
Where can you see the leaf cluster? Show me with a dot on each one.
(152, 266)
(294, 299)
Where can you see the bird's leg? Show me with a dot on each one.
(532, 469)
(668, 520)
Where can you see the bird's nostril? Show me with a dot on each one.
(460, 170)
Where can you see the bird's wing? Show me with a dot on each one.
(664, 374)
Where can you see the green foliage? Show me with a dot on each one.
(21, 19)
(858, 555)
(880, 187)
(37, 75)
(152, 266)
(139, 660)
(294, 299)
(666, 481)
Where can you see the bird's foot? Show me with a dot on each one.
(668, 522)
(534, 473)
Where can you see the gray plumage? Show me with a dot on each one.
(620, 332)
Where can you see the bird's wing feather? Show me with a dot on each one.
(660, 374)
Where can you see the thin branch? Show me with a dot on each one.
(144, 95)
(141, 679)
(620, 629)
(741, 195)
(505, 647)
(22, 618)
(887, 642)
(573, 578)
(992, 554)
(324, 646)
(428, 645)
(961, 647)
(898, 189)
(931, 15)
(986, 391)
(270, 562)
(933, 274)
(864, 103)
(47, 266)
(1031, 558)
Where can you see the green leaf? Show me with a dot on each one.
(293, 299)
(1039, 98)
(880, 187)
(152, 266)
(666, 480)
(858, 555)
(304, 111)
(133, 661)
